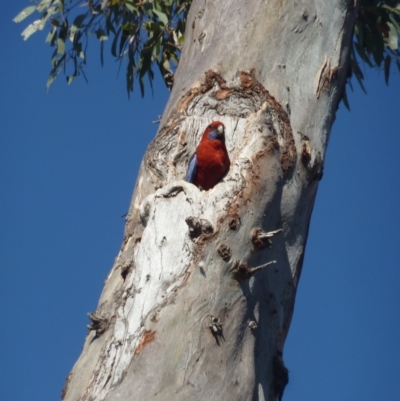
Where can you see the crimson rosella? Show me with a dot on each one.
(210, 162)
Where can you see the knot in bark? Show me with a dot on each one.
(198, 226)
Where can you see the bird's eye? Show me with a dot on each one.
(210, 127)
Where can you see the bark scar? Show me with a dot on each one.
(147, 337)
(325, 76)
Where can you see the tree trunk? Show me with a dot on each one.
(184, 314)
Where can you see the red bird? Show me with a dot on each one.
(210, 162)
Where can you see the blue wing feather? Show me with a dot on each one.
(192, 168)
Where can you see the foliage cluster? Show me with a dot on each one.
(145, 33)
(376, 34)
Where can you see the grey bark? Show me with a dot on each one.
(185, 314)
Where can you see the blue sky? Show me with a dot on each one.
(69, 160)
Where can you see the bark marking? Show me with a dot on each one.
(147, 337)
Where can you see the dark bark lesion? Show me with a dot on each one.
(215, 325)
(224, 251)
(314, 168)
(198, 226)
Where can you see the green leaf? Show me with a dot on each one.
(130, 71)
(377, 47)
(102, 53)
(157, 49)
(131, 7)
(392, 40)
(345, 99)
(361, 52)
(70, 79)
(101, 35)
(114, 43)
(395, 10)
(151, 26)
(78, 49)
(26, 12)
(124, 38)
(77, 24)
(161, 16)
(55, 71)
(51, 37)
(166, 66)
(388, 60)
(359, 75)
(37, 25)
(45, 4)
(359, 32)
(141, 84)
(104, 4)
(62, 35)
(60, 46)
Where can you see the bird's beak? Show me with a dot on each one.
(220, 130)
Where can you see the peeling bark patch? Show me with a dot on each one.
(147, 337)
(325, 76)
(183, 104)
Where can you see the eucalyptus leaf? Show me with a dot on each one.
(345, 99)
(26, 12)
(388, 60)
(114, 44)
(101, 35)
(78, 22)
(45, 4)
(32, 28)
(130, 5)
(55, 71)
(152, 31)
(161, 16)
(60, 46)
(70, 79)
(51, 37)
(361, 52)
(392, 41)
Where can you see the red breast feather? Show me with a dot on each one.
(212, 162)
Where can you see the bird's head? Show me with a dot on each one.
(216, 130)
